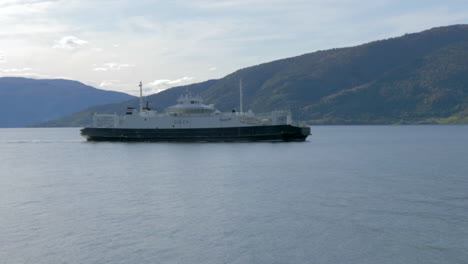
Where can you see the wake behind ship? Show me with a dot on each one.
(192, 121)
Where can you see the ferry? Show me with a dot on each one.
(192, 121)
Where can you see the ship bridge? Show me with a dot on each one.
(188, 104)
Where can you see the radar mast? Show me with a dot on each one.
(141, 97)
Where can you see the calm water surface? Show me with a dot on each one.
(351, 194)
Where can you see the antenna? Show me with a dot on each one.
(141, 97)
(240, 95)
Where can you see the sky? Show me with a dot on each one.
(115, 44)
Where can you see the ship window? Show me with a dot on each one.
(192, 102)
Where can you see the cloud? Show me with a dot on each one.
(15, 70)
(100, 69)
(3, 58)
(106, 83)
(23, 72)
(113, 66)
(117, 66)
(25, 18)
(157, 86)
(24, 8)
(138, 24)
(212, 69)
(118, 85)
(166, 82)
(159, 82)
(26, 30)
(69, 43)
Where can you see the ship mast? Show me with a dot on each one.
(141, 97)
(240, 95)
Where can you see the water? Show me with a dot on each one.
(351, 194)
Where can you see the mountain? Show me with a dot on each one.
(25, 102)
(416, 78)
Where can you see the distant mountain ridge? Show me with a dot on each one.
(24, 102)
(415, 78)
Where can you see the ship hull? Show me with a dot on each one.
(226, 134)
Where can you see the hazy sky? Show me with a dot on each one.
(113, 44)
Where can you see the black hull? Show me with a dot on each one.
(227, 134)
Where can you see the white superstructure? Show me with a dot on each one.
(189, 112)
